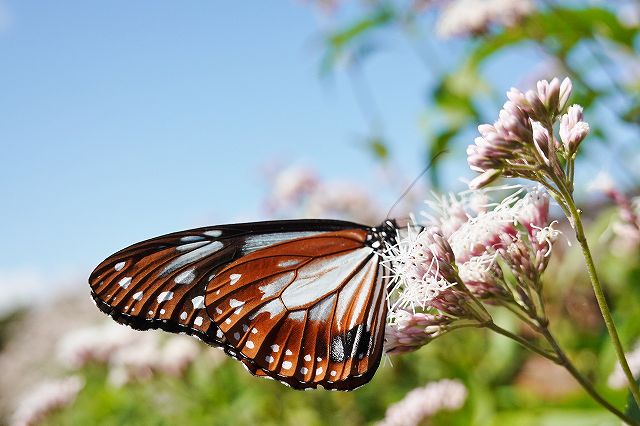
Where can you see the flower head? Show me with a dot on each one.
(422, 265)
(521, 143)
(441, 274)
(408, 331)
(464, 17)
(46, 398)
(425, 402)
(573, 129)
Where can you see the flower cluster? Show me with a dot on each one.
(522, 142)
(130, 355)
(490, 253)
(46, 398)
(472, 17)
(298, 189)
(425, 402)
(626, 227)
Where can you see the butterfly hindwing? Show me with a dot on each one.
(307, 312)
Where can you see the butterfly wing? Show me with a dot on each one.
(306, 312)
(178, 282)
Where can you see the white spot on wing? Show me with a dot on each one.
(198, 302)
(233, 278)
(185, 277)
(307, 357)
(236, 335)
(254, 330)
(164, 296)
(260, 241)
(192, 256)
(297, 316)
(183, 316)
(274, 308)
(198, 321)
(215, 233)
(192, 246)
(288, 352)
(287, 365)
(234, 303)
(124, 283)
(321, 277)
(219, 334)
(322, 310)
(304, 370)
(287, 263)
(191, 238)
(269, 359)
(138, 295)
(250, 344)
(275, 348)
(277, 285)
(118, 266)
(318, 371)
(162, 311)
(333, 373)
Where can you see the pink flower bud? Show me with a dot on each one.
(565, 93)
(485, 178)
(572, 129)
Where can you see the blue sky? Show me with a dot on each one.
(124, 120)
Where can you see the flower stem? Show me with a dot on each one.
(564, 361)
(560, 358)
(600, 297)
(522, 341)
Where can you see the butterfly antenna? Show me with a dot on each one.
(416, 180)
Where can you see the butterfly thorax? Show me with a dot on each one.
(383, 235)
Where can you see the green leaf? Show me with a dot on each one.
(378, 18)
(633, 410)
(378, 147)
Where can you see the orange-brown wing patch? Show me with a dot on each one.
(308, 311)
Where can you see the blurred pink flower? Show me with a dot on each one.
(291, 184)
(94, 344)
(470, 17)
(178, 353)
(626, 227)
(617, 378)
(135, 362)
(296, 191)
(424, 402)
(45, 399)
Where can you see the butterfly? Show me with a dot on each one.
(299, 301)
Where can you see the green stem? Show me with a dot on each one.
(602, 301)
(564, 361)
(527, 344)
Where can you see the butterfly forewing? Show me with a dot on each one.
(308, 311)
(299, 301)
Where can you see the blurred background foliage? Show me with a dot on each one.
(596, 45)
